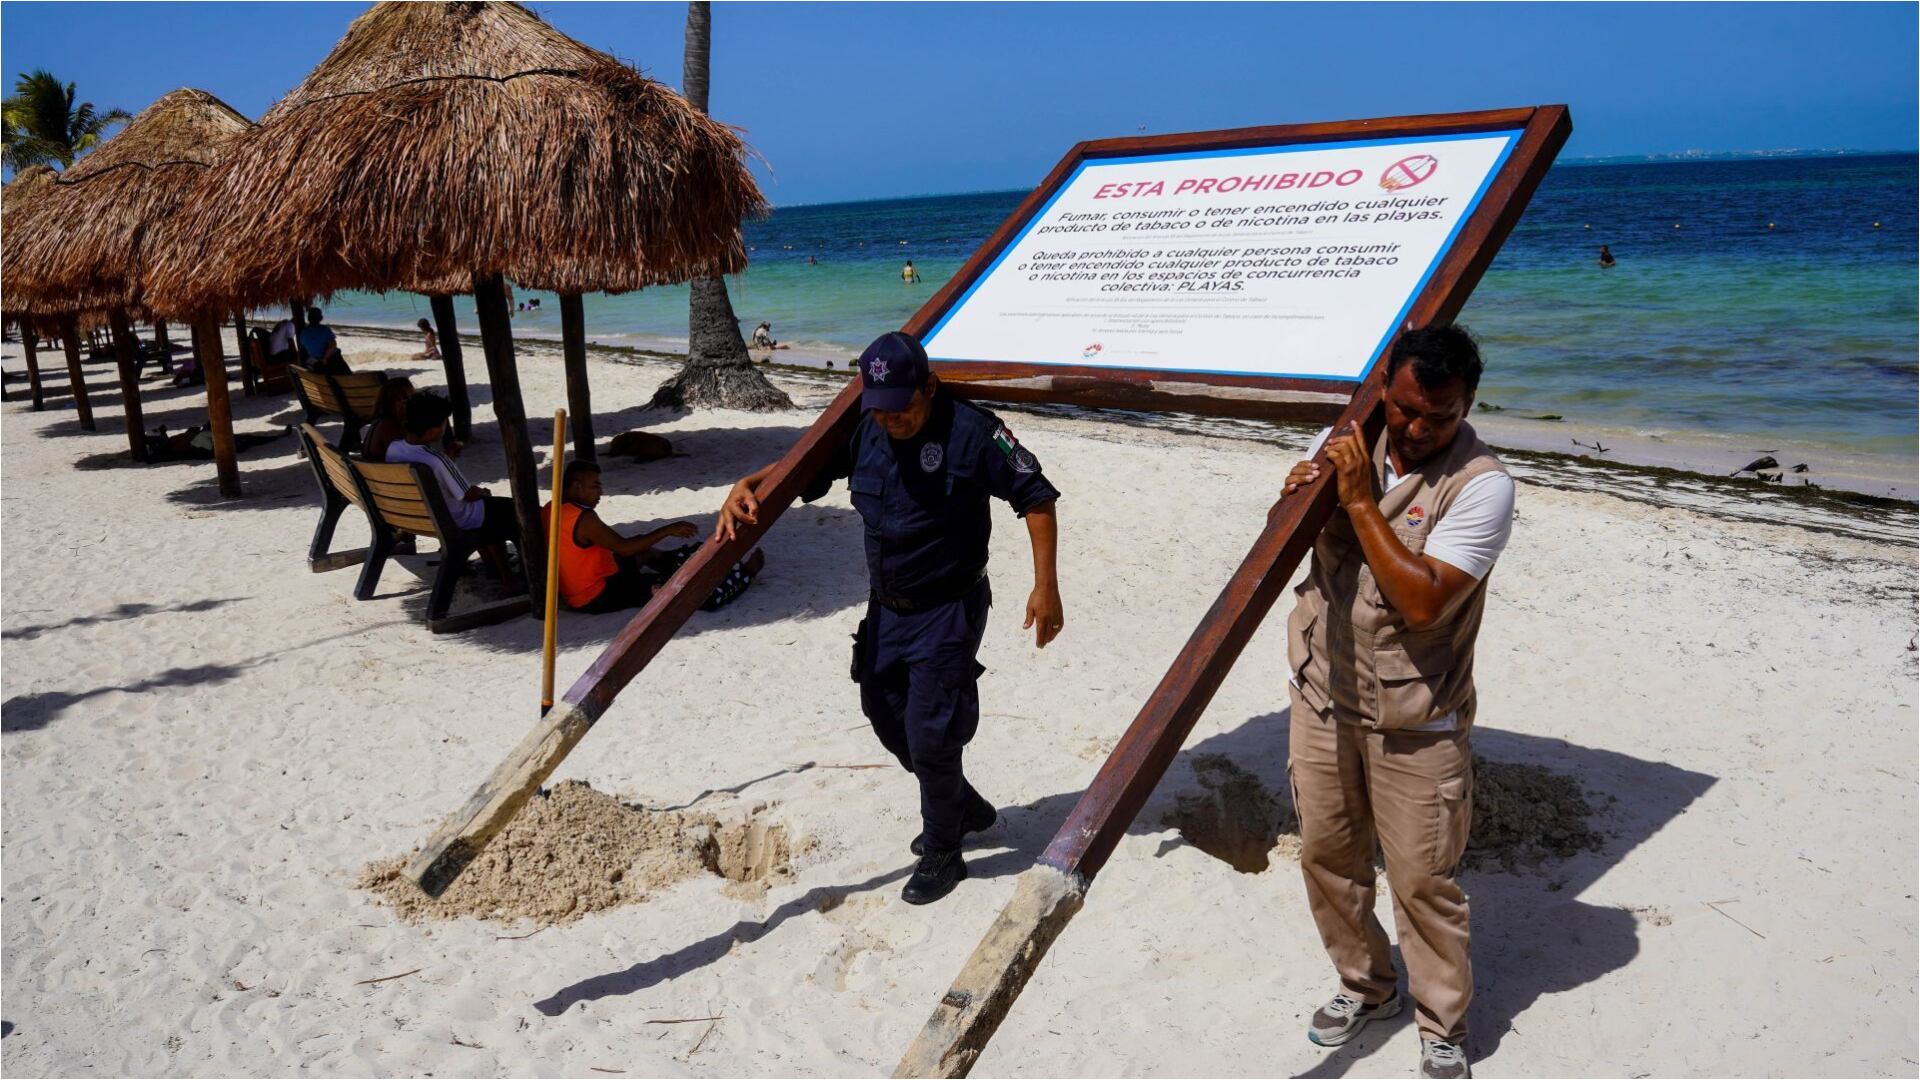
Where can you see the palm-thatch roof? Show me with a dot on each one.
(17, 202)
(93, 230)
(438, 140)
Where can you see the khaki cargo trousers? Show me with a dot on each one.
(1412, 793)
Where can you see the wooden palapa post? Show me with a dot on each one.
(456, 366)
(70, 340)
(163, 345)
(573, 352)
(126, 351)
(30, 344)
(249, 384)
(496, 341)
(213, 365)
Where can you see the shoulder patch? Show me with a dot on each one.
(1018, 456)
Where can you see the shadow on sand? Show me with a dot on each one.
(1633, 799)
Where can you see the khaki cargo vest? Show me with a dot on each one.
(1349, 649)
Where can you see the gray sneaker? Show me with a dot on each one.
(1443, 1060)
(1343, 1017)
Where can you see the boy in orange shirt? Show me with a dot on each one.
(601, 570)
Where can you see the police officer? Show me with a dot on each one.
(921, 466)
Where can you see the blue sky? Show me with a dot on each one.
(860, 101)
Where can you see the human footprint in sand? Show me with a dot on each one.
(601, 570)
(1378, 748)
(923, 467)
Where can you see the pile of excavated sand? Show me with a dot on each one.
(573, 851)
(1522, 816)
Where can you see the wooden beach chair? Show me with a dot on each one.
(403, 498)
(339, 486)
(265, 376)
(349, 397)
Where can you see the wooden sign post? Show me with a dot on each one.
(1003, 330)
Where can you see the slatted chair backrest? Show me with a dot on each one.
(359, 391)
(352, 396)
(316, 391)
(406, 497)
(334, 466)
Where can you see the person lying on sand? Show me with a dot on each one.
(196, 443)
(601, 570)
(474, 508)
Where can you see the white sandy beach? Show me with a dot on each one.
(204, 744)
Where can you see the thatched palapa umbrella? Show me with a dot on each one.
(67, 316)
(474, 139)
(17, 203)
(100, 227)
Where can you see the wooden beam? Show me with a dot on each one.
(126, 352)
(496, 341)
(456, 365)
(206, 348)
(513, 782)
(30, 344)
(163, 345)
(971, 1011)
(573, 352)
(249, 378)
(70, 339)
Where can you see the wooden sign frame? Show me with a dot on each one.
(1049, 894)
(1251, 396)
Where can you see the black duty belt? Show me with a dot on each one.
(929, 598)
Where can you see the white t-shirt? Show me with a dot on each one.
(453, 485)
(1469, 537)
(1475, 529)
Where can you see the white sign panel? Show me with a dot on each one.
(1287, 261)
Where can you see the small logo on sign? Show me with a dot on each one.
(1090, 351)
(1416, 517)
(1407, 172)
(931, 455)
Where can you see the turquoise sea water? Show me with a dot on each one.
(1804, 330)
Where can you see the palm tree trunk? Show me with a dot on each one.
(718, 372)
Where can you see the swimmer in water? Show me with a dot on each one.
(909, 275)
(1606, 258)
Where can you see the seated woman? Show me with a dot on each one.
(601, 570)
(389, 419)
(432, 351)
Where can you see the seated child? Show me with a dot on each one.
(474, 509)
(601, 570)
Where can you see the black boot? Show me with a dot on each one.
(935, 877)
(980, 817)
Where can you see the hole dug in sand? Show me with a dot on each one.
(573, 851)
(1522, 816)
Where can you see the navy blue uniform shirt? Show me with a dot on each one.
(924, 501)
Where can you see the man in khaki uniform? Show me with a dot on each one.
(1381, 647)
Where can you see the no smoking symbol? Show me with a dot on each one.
(1407, 172)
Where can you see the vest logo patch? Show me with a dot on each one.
(931, 455)
(1416, 517)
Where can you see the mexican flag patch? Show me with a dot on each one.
(1018, 456)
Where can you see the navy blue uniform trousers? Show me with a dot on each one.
(919, 686)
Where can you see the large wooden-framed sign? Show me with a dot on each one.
(1258, 271)
(1330, 239)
